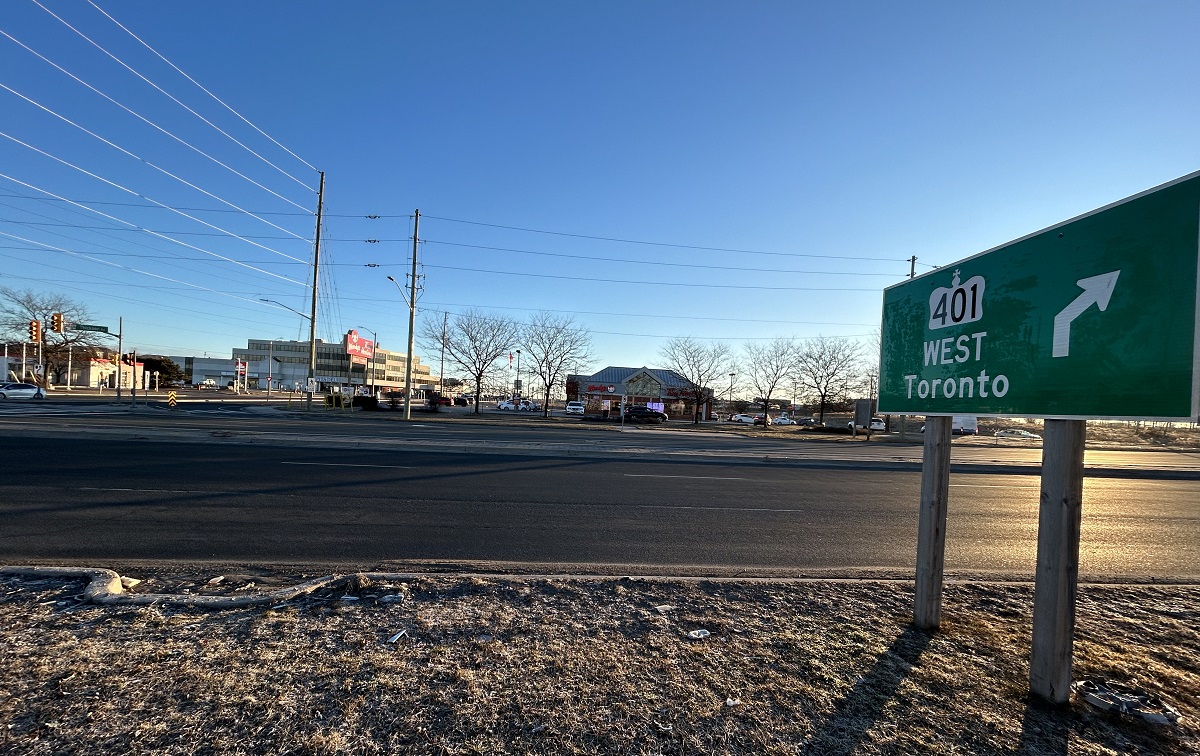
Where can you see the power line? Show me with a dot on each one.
(741, 269)
(202, 88)
(644, 283)
(158, 168)
(149, 122)
(663, 244)
(653, 315)
(171, 97)
(167, 238)
(131, 191)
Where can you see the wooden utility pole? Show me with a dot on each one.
(931, 526)
(312, 318)
(412, 320)
(1059, 518)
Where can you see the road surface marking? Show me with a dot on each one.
(339, 464)
(162, 490)
(687, 477)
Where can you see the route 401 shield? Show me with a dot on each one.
(1093, 318)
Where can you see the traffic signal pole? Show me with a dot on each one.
(120, 349)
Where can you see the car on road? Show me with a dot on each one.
(763, 420)
(809, 422)
(785, 420)
(638, 414)
(21, 391)
(575, 408)
(876, 424)
(1016, 433)
(506, 405)
(528, 405)
(741, 418)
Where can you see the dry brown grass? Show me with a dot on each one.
(502, 665)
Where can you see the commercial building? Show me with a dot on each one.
(663, 390)
(347, 365)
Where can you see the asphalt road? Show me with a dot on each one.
(83, 496)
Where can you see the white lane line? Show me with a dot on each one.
(340, 464)
(164, 490)
(686, 477)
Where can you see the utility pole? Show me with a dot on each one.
(442, 369)
(412, 321)
(312, 320)
(912, 267)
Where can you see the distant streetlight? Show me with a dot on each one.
(517, 383)
(731, 387)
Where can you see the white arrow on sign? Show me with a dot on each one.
(1097, 290)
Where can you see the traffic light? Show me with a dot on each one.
(56, 322)
(35, 330)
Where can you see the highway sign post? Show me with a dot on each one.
(1093, 318)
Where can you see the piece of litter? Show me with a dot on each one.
(731, 702)
(216, 580)
(397, 636)
(538, 729)
(128, 583)
(485, 638)
(391, 599)
(1123, 699)
(349, 598)
(663, 608)
(664, 727)
(698, 634)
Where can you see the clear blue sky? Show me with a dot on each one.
(811, 149)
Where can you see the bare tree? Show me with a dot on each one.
(767, 366)
(552, 344)
(701, 364)
(17, 308)
(474, 341)
(828, 366)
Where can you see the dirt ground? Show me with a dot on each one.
(453, 664)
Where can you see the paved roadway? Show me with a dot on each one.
(241, 487)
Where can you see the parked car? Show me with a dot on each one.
(1016, 433)
(21, 391)
(810, 422)
(741, 418)
(575, 408)
(528, 405)
(876, 424)
(644, 415)
(763, 420)
(785, 420)
(461, 401)
(507, 404)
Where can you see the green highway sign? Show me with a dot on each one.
(1093, 318)
(83, 327)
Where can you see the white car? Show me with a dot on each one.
(741, 419)
(785, 420)
(528, 405)
(575, 408)
(505, 405)
(21, 391)
(877, 424)
(1016, 433)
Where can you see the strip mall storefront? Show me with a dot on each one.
(615, 388)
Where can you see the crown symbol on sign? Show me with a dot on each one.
(955, 280)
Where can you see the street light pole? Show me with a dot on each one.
(731, 389)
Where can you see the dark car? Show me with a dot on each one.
(644, 415)
(809, 422)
